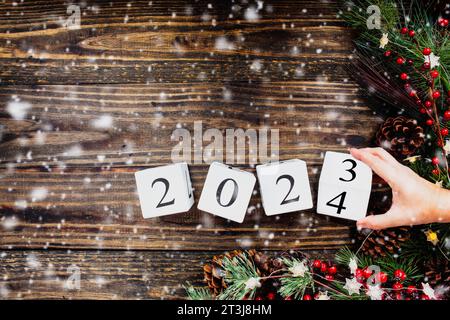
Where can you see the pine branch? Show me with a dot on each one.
(198, 293)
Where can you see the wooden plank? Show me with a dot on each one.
(87, 176)
(103, 275)
(162, 43)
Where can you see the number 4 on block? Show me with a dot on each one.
(344, 187)
(164, 190)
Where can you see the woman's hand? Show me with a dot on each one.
(414, 200)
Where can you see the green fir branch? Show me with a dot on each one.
(194, 293)
(294, 286)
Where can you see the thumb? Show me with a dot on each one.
(380, 221)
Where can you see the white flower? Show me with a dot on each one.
(353, 265)
(375, 292)
(299, 269)
(352, 286)
(323, 296)
(428, 291)
(252, 283)
(384, 40)
(433, 60)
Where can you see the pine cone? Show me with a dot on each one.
(383, 242)
(214, 273)
(400, 136)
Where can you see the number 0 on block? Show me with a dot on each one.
(344, 187)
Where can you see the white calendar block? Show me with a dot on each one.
(164, 190)
(344, 187)
(284, 186)
(226, 192)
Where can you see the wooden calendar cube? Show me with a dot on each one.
(226, 192)
(284, 186)
(344, 187)
(164, 190)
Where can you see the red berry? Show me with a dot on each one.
(367, 273)
(429, 122)
(400, 60)
(436, 94)
(412, 93)
(428, 103)
(411, 289)
(425, 297)
(388, 53)
(404, 30)
(332, 270)
(307, 297)
(258, 298)
(426, 65)
(435, 172)
(398, 296)
(381, 277)
(411, 33)
(271, 296)
(403, 76)
(423, 110)
(358, 273)
(400, 274)
(323, 267)
(329, 277)
(434, 74)
(447, 115)
(444, 132)
(427, 51)
(443, 22)
(435, 161)
(419, 102)
(317, 264)
(397, 286)
(410, 62)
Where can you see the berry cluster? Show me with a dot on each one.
(429, 106)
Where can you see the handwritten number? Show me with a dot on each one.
(340, 206)
(291, 181)
(167, 185)
(220, 189)
(352, 172)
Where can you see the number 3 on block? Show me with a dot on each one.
(344, 187)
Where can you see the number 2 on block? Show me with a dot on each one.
(339, 206)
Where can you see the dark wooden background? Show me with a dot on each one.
(118, 64)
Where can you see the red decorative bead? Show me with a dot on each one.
(329, 277)
(434, 74)
(307, 297)
(444, 132)
(317, 264)
(447, 115)
(404, 30)
(271, 296)
(397, 286)
(411, 33)
(388, 53)
(381, 277)
(428, 103)
(323, 267)
(436, 94)
(403, 76)
(435, 161)
(367, 273)
(426, 51)
(426, 65)
(332, 270)
(435, 172)
(400, 60)
(423, 110)
(429, 122)
(400, 274)
(411, 289)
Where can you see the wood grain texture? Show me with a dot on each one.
(103, 275)
(147, 68)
